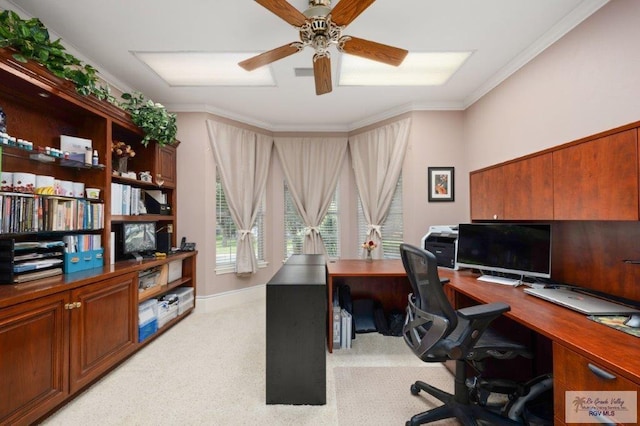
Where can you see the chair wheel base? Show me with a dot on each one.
(414, 389)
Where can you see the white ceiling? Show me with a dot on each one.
(503, 35)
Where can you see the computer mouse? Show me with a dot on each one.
(633, 321)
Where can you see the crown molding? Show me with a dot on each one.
(559, 30)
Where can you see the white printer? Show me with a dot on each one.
(442, 241)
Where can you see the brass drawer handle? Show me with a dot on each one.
(600, 372)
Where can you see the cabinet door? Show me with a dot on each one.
(528, 189)
(574, 372)
(103, 327)
(597, 180)
(166, 165)
(33, 362)
(486, 188)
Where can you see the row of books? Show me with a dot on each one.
(126, 200)
(81, 243)
(36, 213)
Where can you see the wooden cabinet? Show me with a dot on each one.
(520, 190)
(58, 335)
(487, 194)
(54, 346)
(103, 327)
(594, 179)
(598, 179)
(166, 165)
(574, 372)
(34, 361)
(528, 189)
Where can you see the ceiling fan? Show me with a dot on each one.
(320, 26)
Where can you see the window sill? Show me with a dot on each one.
(231, 269)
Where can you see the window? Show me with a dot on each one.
(226, 232)
(392, 235)
(294, 227)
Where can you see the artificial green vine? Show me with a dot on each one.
(154, 120)
(30, 38)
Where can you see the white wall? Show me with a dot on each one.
(585, 83)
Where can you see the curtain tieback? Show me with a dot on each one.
(244, 233)
(310, 229)
(376, 229)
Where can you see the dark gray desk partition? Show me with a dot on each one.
(296, 332)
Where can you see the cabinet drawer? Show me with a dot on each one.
(574, 372)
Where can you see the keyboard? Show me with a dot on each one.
(499, 280)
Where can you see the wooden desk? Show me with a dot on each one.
(384, 280)
(577, 341)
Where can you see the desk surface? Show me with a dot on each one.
(360, 267)
(615, 349)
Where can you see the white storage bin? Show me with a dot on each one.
(166, 312)
(185, 305)
(175, 270)
(185, 298)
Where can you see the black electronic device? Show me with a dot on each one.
(518, 249)
(163, 241)
(185, 246)
(138, 239)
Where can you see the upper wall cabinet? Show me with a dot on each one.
(597, 180)
(487, 195)
(521, 190)
(528, 189)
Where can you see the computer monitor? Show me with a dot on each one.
(516, 249)
(138, 239)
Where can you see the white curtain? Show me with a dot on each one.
(311, 167)
(242, 158)
(377, 157)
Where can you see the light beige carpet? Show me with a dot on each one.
(380, 395)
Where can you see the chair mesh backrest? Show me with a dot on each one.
(422, 270)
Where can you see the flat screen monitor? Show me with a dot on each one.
(138, 238)
(518, 249)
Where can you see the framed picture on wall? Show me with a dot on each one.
(441, 184)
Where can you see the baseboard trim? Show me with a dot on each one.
(229, 299)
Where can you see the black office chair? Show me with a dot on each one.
(436, 332)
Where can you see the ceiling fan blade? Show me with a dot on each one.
(348, 10)
(322, 74)
(284, 10)
(268, 57)
(374, 51)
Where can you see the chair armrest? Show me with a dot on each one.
(484, 311)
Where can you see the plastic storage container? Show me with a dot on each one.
(147, 319)
(185, 299)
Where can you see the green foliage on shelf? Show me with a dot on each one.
(154, 120)
(30, 39)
